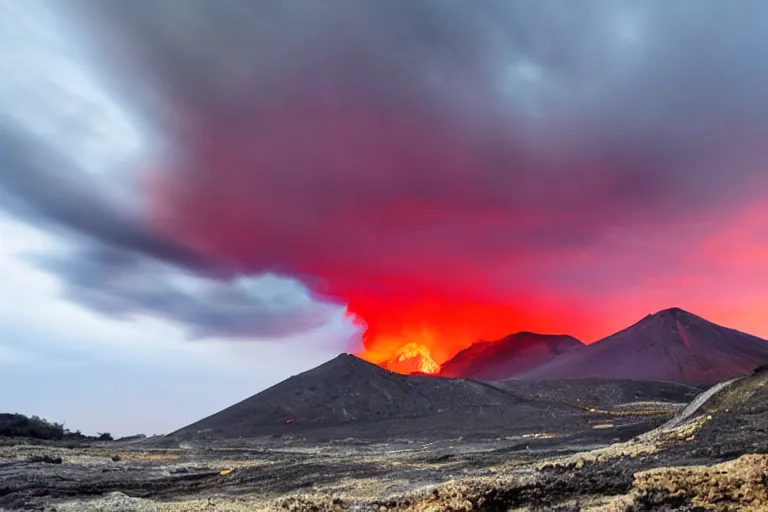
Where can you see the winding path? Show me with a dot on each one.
(696, 404)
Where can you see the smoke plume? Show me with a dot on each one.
(445, 168)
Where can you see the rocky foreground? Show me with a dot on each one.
(711, 455)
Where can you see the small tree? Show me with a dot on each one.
(104, 436)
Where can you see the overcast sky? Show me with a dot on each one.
(180, 179)
(65, 361)
(104, 326)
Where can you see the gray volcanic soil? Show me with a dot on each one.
(671, 345)
(173, 468)
(504, 358)
(551, 468)
(739, 421)
(597, 455)
(335, 469)
(601, 392)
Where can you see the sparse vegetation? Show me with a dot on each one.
(18, 425)
(732, 485)
(75, 436)
(35, 427)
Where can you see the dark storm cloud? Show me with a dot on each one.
(437, 141)
(122, 269)
(397, 138)
(44, 187)
(123, 285)
(56, 174)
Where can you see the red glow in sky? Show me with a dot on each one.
(442, 273)
(440, 325)
(721, 273)
(398, 170)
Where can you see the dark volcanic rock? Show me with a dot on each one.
(348, 390)
(48, 459)
(671, 345)
(500, 360)
(541, 470)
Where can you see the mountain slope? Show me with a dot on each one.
(601, 393)
(499, 360)
(671, 345)
(349, 390)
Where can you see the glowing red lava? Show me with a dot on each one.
(420, 334)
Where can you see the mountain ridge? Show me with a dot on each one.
(503, 358)
(348, 390)
(669, 345)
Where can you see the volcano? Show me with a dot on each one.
(348, 393)
(671, 345)
(502, 359)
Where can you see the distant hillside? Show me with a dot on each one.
(349, 390)
(502, 359)
(671, 345)
(601, 393)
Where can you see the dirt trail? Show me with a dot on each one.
(696, 404)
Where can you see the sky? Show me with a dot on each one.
(199, 199)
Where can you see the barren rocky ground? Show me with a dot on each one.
(614, 456)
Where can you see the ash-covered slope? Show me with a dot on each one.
(516, 353)
(728, 419)
(348, 390)
(600, 392)
(739, 415)
(671, 345)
